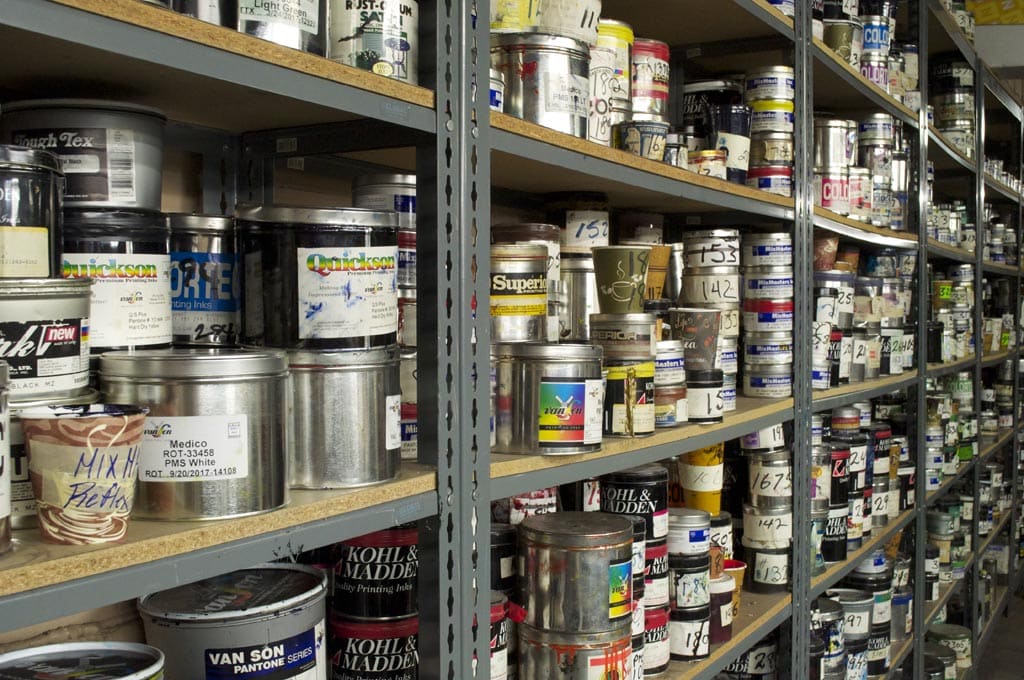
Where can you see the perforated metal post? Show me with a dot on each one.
(453, 269)
(803, 256)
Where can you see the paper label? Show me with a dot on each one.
(24, 251)
(585, 229)
(704, 402)
(300, 657)
(299, 14)
(858, 623)
(204, 295)
(191, 448)
(45, 355)
(347, 292)
(570, 412)
(131, 301)
(725, 613)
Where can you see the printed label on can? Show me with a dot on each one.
(519, 294)
(688, 639)
(878, 648)
(629, 400)
(499, 650)
(376, 36)
(24, 250)
(347, 292)
(570, 412)
(769, 286)
(657, 649)
(358, 658)
(300, 657)
(193, 448)
(299, 14)
(620, 590)
(204, 296)
(774, 121)
(771, 569)
(691, 590)
(565, 93)
(99, 163)
(131, 302)
(669, 371)
(584, 229)
(45, 355)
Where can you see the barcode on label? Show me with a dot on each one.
(121, 165)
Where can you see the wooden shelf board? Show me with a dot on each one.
(853, 388)
(867, 232)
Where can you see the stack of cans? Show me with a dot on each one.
(769, 93)
(878, 31)
(767, 260)
(690, 575)
(768, 514)
(876, 143)
(610, 79)
(951, 331)
(951, 82)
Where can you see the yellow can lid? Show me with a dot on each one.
(613, 28)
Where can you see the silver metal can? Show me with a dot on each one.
(546, 79)
(285, 24)
(580, 288)
(205, 288)
(565, 560)
(549, 398)
(44, 336)
(345, 425)
(551, 655)
(215, 433)
(31, 199)
(626, 336)
(274, 610)
(112, 152)
(384, 41)
(519, 292)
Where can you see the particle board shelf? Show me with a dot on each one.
(851, 91)
(514, 473)
(993, 358)
(35, 575)
(879, 537)
(948, 483)
(990, 267)
(234, 82)
(899, 653)
(847, 394)
(722, 21)
(997, 529)
(944, 250)
(1003, 190)
(937, 370)
(951, 157)
(1000, 90)
(844, 226)
(530, 158)
(760, 613)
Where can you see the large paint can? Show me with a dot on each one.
(373, 648)
(382, 37)
(215, 433)
(345, 417)
(519, 292)
(205, 287)
(126, 255)
(548, 398)
(31, 197)
(555, 655)
(319, 279)
(376, 575)
(44, 336)
(301, 26)
(111, 152)
(547, 79)
(242, 624)
(575, 572)
(113, 660)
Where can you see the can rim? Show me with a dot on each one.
(84, 647)
(84, 104)
(22, 157)
(199, 223)
(385, 178)
(183, 363)
(323, 217)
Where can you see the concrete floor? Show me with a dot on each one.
(1003, 657)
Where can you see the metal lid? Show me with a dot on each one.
(711, 86)
(722, 519)
(191, 363)
(670, 346)
(624, 319)
(265, 589)
(525, 231)
(386, 178)
(20, 157)
(826, 609)
(88, 396)
(577, 262)
(576, 529)
(506, 40)
(326, 217)
(82, 104)
(193, 222)
(850, 596)
(83, 660)
(307, 359)
(640, 474)
(769, 69)
(948, 631)
(43, 287)
(495, 75)
(519, 251)
(547, 351)
(688, 517)
(704, 234)
(706, 375)
(116, 219)
(940, 652)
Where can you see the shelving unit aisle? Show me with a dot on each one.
(252, 106)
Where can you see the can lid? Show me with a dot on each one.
(495, 75)
(189, 222)
(826, 609)
(688, 517)
(577, 262)
(323, 217)
(512, 40)
(525, 231)
(624, 319)
(519, 251)
(940, 652)
(704, 375)
(722, 519)
(341, 359)
(639, 529)
(243, 594)
(78, 104)
(388, 178)
(19, 157)
(544, 350)
(948, 631)
(386, 538)
(191, 363)
(850, 596)
(82, 660)
(670, 346)
(615, 28)
(723, 584)
(700, 86)
(499, 606)
(117, 219)
(651, 473)
(87, 396)
(374, 629)
(576, 529)
(502, 534)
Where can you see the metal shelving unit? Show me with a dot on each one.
(252, 104)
